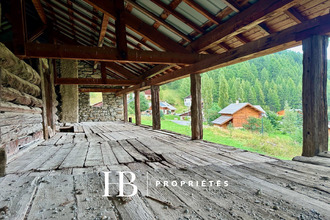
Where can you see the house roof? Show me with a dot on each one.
(234, 107)
(166, 105)
(222, 120)
(188, 97)
(147, 92)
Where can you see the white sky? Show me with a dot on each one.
(299, 49)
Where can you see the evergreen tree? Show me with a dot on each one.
(223, 92)
(207, 90)
(272, 100)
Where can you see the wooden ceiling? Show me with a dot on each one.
(151, 42)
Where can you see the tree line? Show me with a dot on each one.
(270, 81)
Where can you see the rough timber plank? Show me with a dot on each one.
(54, 199)
(121, 155)
(322, 161)
(21, 162)
(157, 146)
(157, 197)
(133, 209)
(131, 151)
(144, 150)
(79, 138)
(66, 139)
(77, 157)
(17, 194)
(277, 193)
(108, 156)
(90, 203)
(54, 139)
(55, 162)
(94, 156)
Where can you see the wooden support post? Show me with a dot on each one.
(121, 29)
(196, 107)
(137, 107)
(19, 26)
(45, 96)
(315, 117)
(103, 73)
(155, 107)
(125, 107)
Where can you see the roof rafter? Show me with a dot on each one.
(40, 10)
(241, 22)
(139, 26)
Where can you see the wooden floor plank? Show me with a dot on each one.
(131, 151)
(55, 162)
(77, 157)
(54, 199)
(121, 155)
(108, 156)
(90, 202)
(17, 194)
(94, 155)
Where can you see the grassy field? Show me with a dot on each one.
(275, 144)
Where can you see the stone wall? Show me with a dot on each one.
(112, 109)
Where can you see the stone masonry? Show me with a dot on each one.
(112, 109)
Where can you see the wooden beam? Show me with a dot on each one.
(40, 10)
(137, 107)
(121, 38)
(272, 43)
(232, 4)
(103, 30)
(19, 26)
(3, 161)
(37, 33)
(295, 15)
(108, 54)
(155, 107)
(315, 108)
(155, 70)
(241, 22)
(120, 70)
(160, 20)
(138, 26)
(125, 108)
(103, 73)
(90, 81)
(103, 90)
(196, 107)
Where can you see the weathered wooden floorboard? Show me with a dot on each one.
(18, 164)
(55, 162)
(321, 161)
(54, 139)
(77, 157)
(273, 191)
(90, 202)
(109, 157)
(66, 139)
(54, 199)
(132, 151)
(79, 138)
(157, 146)
(121, 155)
(94, 156)
(16, 194)
(144, 150)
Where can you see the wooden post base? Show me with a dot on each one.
(3, 162)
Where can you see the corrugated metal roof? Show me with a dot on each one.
(222, 120)
(150, 6)
(213, 6)
(169, 33)
(179, 24)
(191, 14)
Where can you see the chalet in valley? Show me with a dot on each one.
(55, 148)
(237, 114)
(167, 108)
